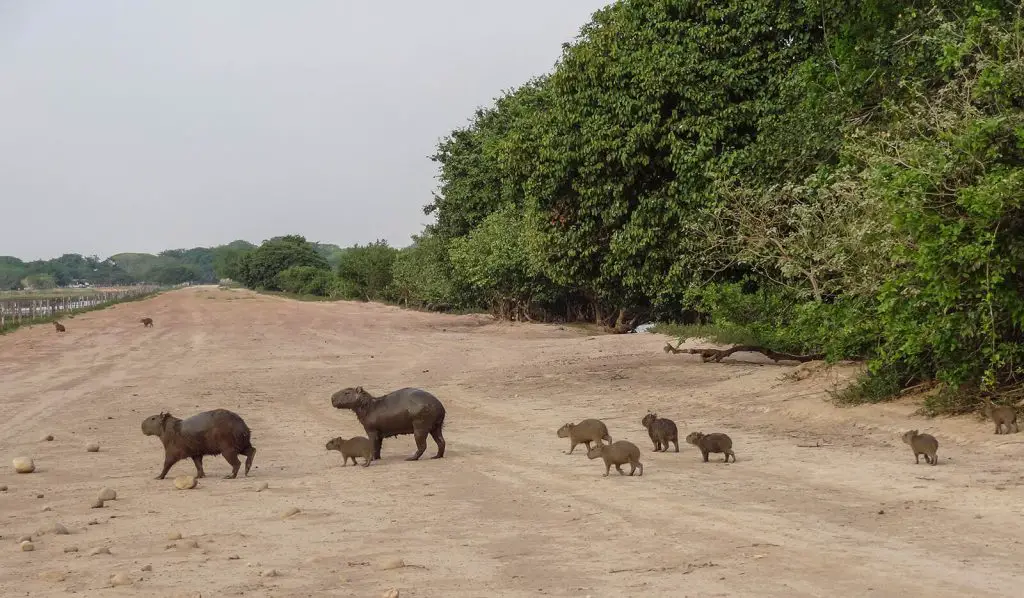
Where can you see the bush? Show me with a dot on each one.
(306, 280)
(365, 272)
(259, 268)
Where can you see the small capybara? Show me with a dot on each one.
(216, 432)
(922, 444)
(146, 322)
(1002, 415)
(59, 327)
(716, 442)
(662, 431)
(585, 432)
(618, 454)
(360, 446)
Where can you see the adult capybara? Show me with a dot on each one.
(216, 432)
(618, 454)
(146, 322)
(404, 411)
(715, 442)
(1002, 415)
(359, 446)
(585, 432)
(922, 444)
(661, 430)
(59, 327)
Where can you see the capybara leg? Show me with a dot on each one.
(377, 441)
(705, 453)
(198, 461)
(572, 446)
(618, 468)
(935, 458)
(676, 442)
(232, 458)
(641, 466)
(439, 440)
(632, 469)
(917, 459)
(365, 459)
(607, 469)
(1014, 428)
(168, 463)
(730, 454)
(421, 445)
(249, 456)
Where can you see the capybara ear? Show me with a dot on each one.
(359, 389)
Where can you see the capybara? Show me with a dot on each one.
(585, 432)
(1002, 415)
(58, 326)
(662, 431)
(146, 322)
(404, 411)
(922, 444)
(360, 446)
(716, 442)
(618, 454)
(216, 432)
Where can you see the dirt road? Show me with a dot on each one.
(507, 512)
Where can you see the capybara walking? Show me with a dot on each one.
(618, 454)
(661, 430)
(716, 442)
(216, 432)
(585, 432)
(146, 322)
(1002, 415)
(922, 444)
(404, 411)
(58, 326)
(360, 446)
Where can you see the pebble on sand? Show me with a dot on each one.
(120, 579)
(184, 482)
(70, 549)
(147, 568)
(107, 494)
(391, 564)
(262, 487)
(92, 447)
(3, 487)
(174, 536)
(290, 513)
(25, 538)
(99, 550)
(98, 503)
(392, 593)
(27, 547)
(47, 438)
(23, 465)
(269, 573)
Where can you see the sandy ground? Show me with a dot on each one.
(507, 512)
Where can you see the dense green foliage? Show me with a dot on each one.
(259, 268)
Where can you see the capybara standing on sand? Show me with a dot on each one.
(359, 446)
(922, 444)
(216, 432)
(585, 432)
(404, 411)
(715, 442)
(146, 322)
(618, 454)
(1002, 415)
(59, 327)
(661, 430)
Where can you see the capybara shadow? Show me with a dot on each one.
(922, 444)
(1002, 416)
(359, 446)
(618, 454)
(216, 432)
(662, 431)
(147, 322)
(404, 411)
(585, 432)
(715, 442)
(59, 327)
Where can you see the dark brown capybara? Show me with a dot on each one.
(146, 322)
(59, 327)
(618, 454)
(716, 442)
(585, 432)
(216, 432)
(404, 411)
(922, 444)
(360, 446)
(1002, 415)
(662, 431)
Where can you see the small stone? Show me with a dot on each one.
(174, 536)
(3, 487)
(269, 573)
(290, 513)
(391, 564)
(23, 465)
(94, 522)
(191, 544)
(120, 579)
(170, 546)
(54, 528)
(184, 482)
(392, 593)
(108, 494)
(98, 503)
(70, 549)
(25, 538)
(47, 438)
(233, 557)
(99, 550)
(92, 447)
(881, 511)
(27, 547)
(47, 508)
(262, 487)
(39, 495)
(52, 576)
(147, 567)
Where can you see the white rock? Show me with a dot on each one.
(184, 482)
(27, 547)
(24, 465)
(99, 550)
(392, 593)
(269, 573)
(391, 564)
(120, 579)
(107, 494)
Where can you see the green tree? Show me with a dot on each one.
(259, 268)
(366, 271)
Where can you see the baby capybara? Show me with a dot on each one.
(216, 432)
(715, 442)
(360, 446)
(618, 454)
(1002, 415)
(585, 432)
(661, 430)
(922, 444)
(146, 322)
(59, 327)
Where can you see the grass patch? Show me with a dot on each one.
(708, 331)
(12, 325)
(49, 294)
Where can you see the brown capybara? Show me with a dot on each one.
(716, 442)
(59, 327)
(146, 322)
(618, 454)
(404, 411)
(922, 444)
(662, 431)
(1002, 415)
(216, 432)
(585, 432)
(360, 446)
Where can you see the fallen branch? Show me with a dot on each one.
(718, 355)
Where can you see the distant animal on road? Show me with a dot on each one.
(59, 327)
(146, 322)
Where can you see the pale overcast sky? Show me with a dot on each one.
(143, 125)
